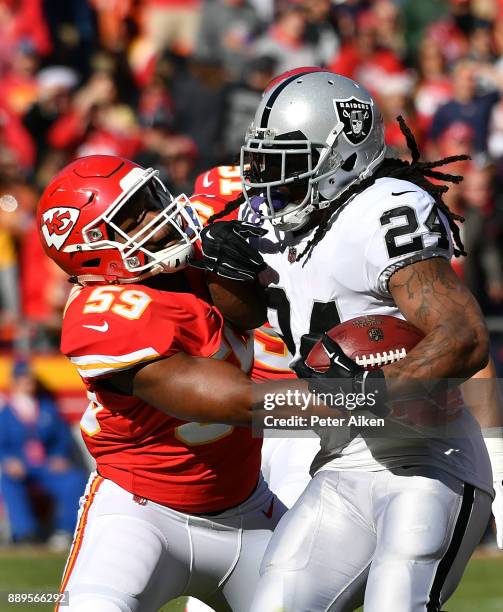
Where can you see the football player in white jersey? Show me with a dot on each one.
(388, 521)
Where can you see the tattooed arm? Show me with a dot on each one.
(431, 297)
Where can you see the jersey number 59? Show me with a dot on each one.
(127, 303)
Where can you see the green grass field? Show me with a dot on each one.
(480, 591)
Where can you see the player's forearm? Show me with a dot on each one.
(447, 352)
(247, 404)
(241, 303)
(456, 344)
(196, 389)
(210, 391)
(232, 406)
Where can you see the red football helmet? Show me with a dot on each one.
(79, 212)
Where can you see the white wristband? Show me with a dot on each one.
(493, 437)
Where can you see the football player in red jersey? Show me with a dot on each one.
(285, 461)
(177, 505)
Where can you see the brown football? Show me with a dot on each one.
(372, 341)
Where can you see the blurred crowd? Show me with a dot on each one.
(41, 471)
(174, 83)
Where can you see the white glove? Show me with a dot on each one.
(493, 437)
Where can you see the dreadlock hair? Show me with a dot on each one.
(229, 207)
(415, 172)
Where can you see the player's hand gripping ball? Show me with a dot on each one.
(370, 341)
(349, 357)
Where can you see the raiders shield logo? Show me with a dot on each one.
(356, 115)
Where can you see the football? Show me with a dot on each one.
(371, 341)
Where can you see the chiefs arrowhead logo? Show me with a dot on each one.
(356, 115)
(57, 223)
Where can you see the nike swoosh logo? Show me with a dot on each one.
(399, 193)
(100, 328)
(336, 360)
(209, 236)
(270, 509)
(206, 181)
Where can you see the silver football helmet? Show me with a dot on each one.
(314, 134)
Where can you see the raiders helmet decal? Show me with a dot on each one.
(356, 115)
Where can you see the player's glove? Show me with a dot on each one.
(493, 437)
(346, 376)
(226, 250)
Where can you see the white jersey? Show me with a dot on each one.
(389, 225)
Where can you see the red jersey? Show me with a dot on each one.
(270, 356)
(191, 467)
(223, 182)
(213, 190)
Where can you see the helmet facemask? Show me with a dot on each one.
(330, 120)
(164, 244)
(307, 168)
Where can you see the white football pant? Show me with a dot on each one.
(286, 463)
(133, 555)
(396, 541)
(285, 468)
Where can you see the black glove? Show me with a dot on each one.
(227, 253)
(346, 376)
